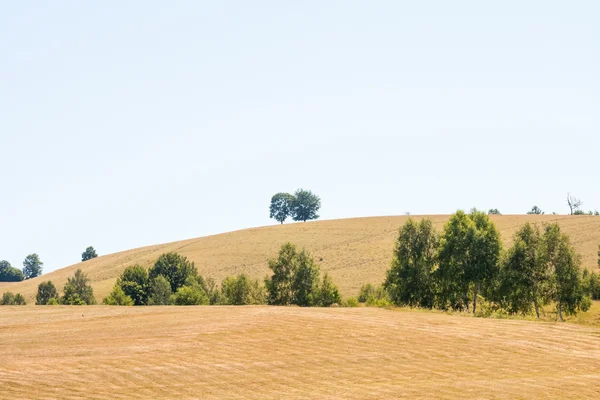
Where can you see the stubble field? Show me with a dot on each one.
(102, 352)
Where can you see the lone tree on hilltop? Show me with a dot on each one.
(573, 203)
(306, 205)
(535, 210)
(88, 254)
(281, 206)
(32, 266)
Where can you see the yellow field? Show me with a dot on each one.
(101, 352)
(354, 251)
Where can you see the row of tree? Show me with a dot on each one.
(303, 206)
(467, 262)
(573, 203)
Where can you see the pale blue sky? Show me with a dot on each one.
(130, 123)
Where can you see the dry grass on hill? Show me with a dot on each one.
(55, 352)
(354, 251)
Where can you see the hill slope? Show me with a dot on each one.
(354, 251)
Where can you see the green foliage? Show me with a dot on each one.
(10, 299)
(279, 286)
(305, 282)
(580, 212)
(88, 254)
(524, 275)
(32, 266)
(351, 302)
(77, 290)
(370, 293)
(175, 268)
(591, 282)
(535, 210)
(305, 206)
(281, 206)
(160, 291)
(494, 211)
(410, 280)
(469, 255)
(118, 298)
(53, 302)
(134, 282)
(241, 290)
(190, 295)
(328, 293)
(10, 274)
(46, 291)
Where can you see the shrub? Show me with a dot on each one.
(46, 291)
(351, 302)
(8, 299)
(118, 298)
(382, 302)
(328, 293)
(370, 293)
(241, 290)
(77, 290)
(191, 295)
(160, 291)
(53, 302)
(20, 300)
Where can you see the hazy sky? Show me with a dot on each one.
(130, 123)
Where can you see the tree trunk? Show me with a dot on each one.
(560, 312)
(537, 309)
(474, 298)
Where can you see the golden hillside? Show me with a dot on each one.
(354, 251)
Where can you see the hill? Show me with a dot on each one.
(289, 352)
(354, 251)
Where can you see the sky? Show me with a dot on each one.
(132, 123)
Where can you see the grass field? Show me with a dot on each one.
(103, 352)
(354, 251)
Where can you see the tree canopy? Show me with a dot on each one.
(88, 254)
(32, 266)
(10, 274)
(306, 205)
(281, 206)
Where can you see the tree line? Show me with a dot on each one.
(303, 206)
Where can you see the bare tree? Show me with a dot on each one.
(573, 202)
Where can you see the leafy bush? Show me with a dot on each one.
(328, 293)
(134, 283)
(371, 293)
(241, 290)
(77, 290)
(383, 302)
(351, 302)
(53, 302)
(191, 295)
(160, 291)
(11, 299)
(46, 291)
(118, 298)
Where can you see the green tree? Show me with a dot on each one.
(190, 295)
(305, 281)
(329, 293)
(410, 279)
(470, 249)
(279, 286)
(160, 291)
(118, 298)
(32, 266)
(8, 299)
(281, 206)
(46, 291)
(77, 290)
(535, 210)
(494, 211)
(175, 268)
(305, 206)
(241, 290)
(10, 274)
(524, 275)
(370, 293)
(134, 282)
(88, 254)
(567, 289)
(20, 300)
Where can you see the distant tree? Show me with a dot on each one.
(160, 291)
(524, 274)
(134, 282)
(567, 286)
(175, 268)
(305, 282)
(410, 280)
(118, 298)
(535, 210)
(32, 266)
(579, 212)
(328, 293)
(494, 211)
(306, 205)
(190, 295)
(242, 290)
(46, 291)
(599, 255)
(77, 290)
(20, 300)
(279, 286)
(469, 254)
(281, 206)
(573, 203)
(8, 299)
(596, 213)
(88, 254)
(10, 274)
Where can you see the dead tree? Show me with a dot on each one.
(573, 202)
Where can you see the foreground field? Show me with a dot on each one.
(271, 352)
(354, 251)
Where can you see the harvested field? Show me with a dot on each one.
(263, 352)
(354, 251)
